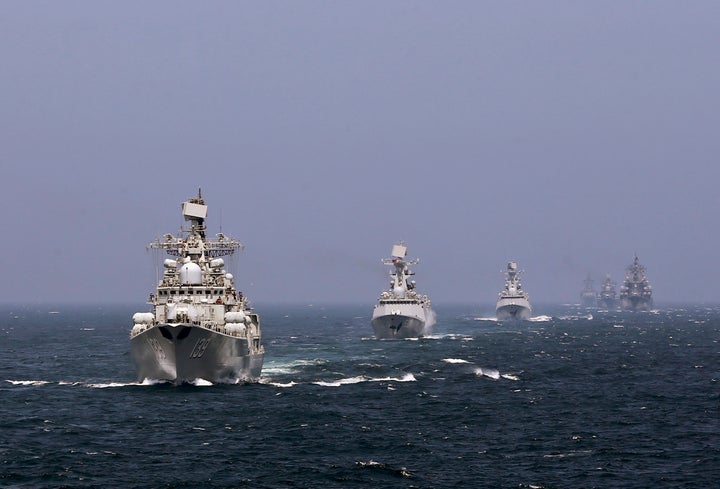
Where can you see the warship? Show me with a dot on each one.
(200, 328)
(607, 298)
(401, 312)
(636, 292)
(513, 302)
(588, 297)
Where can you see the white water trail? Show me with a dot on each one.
(362, 378)
(338, 383)
(404, 378)
(110, 384)
(430, 320)
(540, 319)
(28, 382)
(201, 383)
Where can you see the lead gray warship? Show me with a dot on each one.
(200, 328)
(636, 292)
(513, 302)
(401, 312)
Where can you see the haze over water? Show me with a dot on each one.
(567, 136)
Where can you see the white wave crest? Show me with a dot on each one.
(540, 319)
(489, 318)
(338, 383)
(284, 369)
(452, 336)
(454, 360)
(152, 382)
(110, 384)
(487, 372)
(266, 381)
(510, 377)
(589, 317)
(361, 378)
(201, 383)
(28, 382)
(404, 378)
(369, 463)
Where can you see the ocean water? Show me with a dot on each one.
(572, 399)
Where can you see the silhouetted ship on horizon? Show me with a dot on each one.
(588, 297)
(607, 297)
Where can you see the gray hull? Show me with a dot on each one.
(636, 303)
(513, 310)
(609, 304)
(395, 327)
(181, 353)
(392, 320)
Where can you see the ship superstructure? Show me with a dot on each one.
(607, 297)
(200, 326)
(513, 302)
(588, 296)
(401, 312)
(636, 292)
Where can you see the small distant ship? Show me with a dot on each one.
(401, 312)
(513, 302)
(201, 327)
(588, 297)
(607, 298)
(636, 292)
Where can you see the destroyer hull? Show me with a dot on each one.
(392, 322)
(183, 353)
(513, 309)
(636, 304)
(607, 303)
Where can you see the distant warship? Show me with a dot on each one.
(401, 312)
(607, 298)
(636, 292)
(513, 302)
(588, 297)
(201, 327)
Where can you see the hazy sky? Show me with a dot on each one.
(565, 135)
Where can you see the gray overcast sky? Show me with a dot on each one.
(564, 135)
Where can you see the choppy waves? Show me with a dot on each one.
(567, 399)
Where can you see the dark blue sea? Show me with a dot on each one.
(574, 398)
